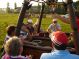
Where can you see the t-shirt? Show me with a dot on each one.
(54, 28)
(59, 54)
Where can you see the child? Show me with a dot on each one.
(10, 32)
(13, 49)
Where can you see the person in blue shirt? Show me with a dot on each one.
(59, 43)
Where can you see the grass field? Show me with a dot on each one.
(8, 19)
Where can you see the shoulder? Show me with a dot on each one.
(74, 56)
(45, 56)
(58, 24)
(25, 24)
(7, 37)
(50, 25)
(5, 56)
(19, 57)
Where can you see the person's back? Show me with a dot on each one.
(59, 55)
(59, 43)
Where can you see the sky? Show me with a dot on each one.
(3, 3)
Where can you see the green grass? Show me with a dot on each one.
(5, 20)
(47, 21)
(8, 19)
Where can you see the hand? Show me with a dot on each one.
(29, 56)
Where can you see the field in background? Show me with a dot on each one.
(8, 19)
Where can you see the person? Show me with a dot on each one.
(59, 43)
(10, 32)
(35, 26)
(27, 32)
(66, 18)
(54, 26)
(28, 27)
(13, 49)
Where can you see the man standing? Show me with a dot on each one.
(59, 43)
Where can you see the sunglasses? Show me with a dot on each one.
(54, 21)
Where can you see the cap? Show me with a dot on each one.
(54, 19)
(30, 21)
(59, 38)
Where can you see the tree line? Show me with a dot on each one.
(60, 8)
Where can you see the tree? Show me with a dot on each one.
(77, 5)
(47, 9)
(8, 8)
(15, 5)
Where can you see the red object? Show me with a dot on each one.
(59, 38)
(77, 21)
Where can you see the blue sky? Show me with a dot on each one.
(3, 3)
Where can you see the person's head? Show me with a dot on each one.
(13, 46)
(59, 40)
(29, 21)
(54, 21)
(11, 30)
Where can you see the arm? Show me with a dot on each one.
(62, 18)
(58, 27)
(49, 29)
